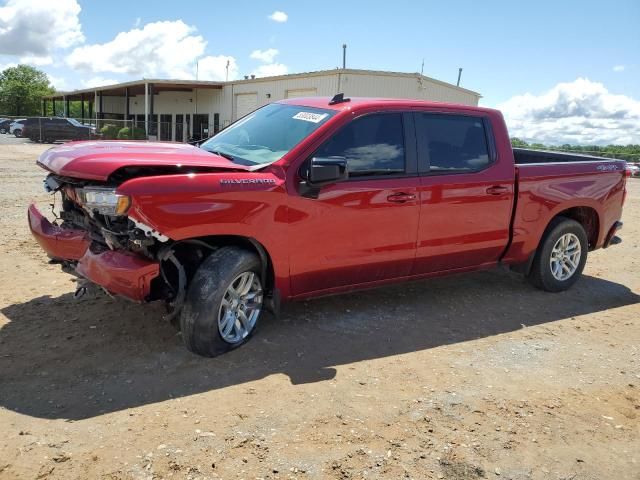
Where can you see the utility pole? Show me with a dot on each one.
(227, 76)
(344, 56)
(422, 68)
(459, 75)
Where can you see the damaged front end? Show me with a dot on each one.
(93, 237)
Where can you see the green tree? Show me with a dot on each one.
(516, 142)
(22, 89)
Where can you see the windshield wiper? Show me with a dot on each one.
(223, 154)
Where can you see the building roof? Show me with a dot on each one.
(137, 87)
(351, 102)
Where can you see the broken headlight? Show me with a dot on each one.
(103, 200)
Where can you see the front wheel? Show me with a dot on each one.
(223, 303)
(561, 256)
(17, 132)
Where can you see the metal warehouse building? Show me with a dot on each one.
(181, 109)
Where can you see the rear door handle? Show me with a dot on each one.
(497, 190)
(401, 197)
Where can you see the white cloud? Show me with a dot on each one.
(36, 27)
(271, 70)
(4, 66)
(98, 82)
(215, 68)
(619, 68)
(59, 83)
(166, 49)
(578, 112)
(278, 16)
(37, 61)
(265, 56)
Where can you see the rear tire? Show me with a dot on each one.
(18, 133)
(561, 256)
(223, 303)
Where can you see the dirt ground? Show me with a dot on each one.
(476, 376)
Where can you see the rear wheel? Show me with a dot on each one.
(17, 132)
(223, 303)
(561, 256)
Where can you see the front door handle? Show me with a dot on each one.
(401, 197)
(497, 190)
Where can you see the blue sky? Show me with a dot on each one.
(507, 49)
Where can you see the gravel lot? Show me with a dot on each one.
(476, 376)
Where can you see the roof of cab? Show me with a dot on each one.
(323, 102)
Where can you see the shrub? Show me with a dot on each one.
(109, 131)
(135, 133)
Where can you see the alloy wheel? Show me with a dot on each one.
(240, 307)
(565, 257)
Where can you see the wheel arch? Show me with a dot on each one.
(586, 216)
(247, 243)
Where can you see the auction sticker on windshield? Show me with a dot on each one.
(310, 116)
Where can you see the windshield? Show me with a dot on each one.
(75, 122)
(267, 134)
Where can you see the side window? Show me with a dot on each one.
(452, 143)
(372, 145)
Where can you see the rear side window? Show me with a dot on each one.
(452, 143)
(373, 145)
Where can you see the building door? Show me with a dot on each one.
(179, 128)
(245, 104)
(165, 127)
(200, 126)
(302, 92)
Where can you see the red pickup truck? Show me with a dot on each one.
(315, 196)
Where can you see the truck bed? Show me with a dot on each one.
(525, 156)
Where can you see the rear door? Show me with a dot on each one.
(466, 193)
(363, 229)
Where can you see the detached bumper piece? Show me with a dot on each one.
(612, 238)
(120, 273)
(59, 243)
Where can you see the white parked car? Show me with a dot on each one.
(16, 127)
(634, 168)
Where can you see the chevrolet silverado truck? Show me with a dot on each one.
(316, 196)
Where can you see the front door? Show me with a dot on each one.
(466, 193)
(362, 229)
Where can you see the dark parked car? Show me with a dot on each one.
(4, 125)
(52, 129)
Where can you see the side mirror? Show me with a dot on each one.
(320, 171)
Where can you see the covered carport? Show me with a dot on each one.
(137, 102)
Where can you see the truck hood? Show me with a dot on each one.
(97, 160)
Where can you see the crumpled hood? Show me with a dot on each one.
(97, 160)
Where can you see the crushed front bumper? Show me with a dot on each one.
(119, 272)
(59, 243)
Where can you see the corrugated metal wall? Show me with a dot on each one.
(371, 85)
(364, 84)
(352, 84)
